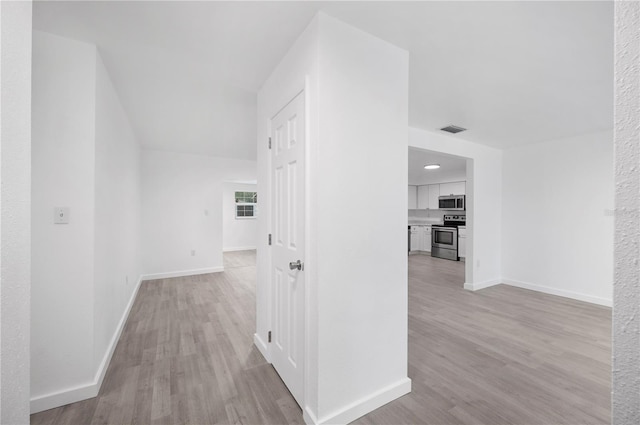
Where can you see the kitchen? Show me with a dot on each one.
(437, 207)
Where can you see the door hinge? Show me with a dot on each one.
(269, 336)
(269, 142)
(269, 238)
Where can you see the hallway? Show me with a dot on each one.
(186, 356)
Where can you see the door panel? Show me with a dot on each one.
(287, 163)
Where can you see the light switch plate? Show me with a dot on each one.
(61, 215)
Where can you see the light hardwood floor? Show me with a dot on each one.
(186, 356)
(502, 355)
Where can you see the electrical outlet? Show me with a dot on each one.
(193, 252)
(61, 215)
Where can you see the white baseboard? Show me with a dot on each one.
(309, 417)
(239, 248)
(182, 273)
(481, 285)
(262, 347)
(62, 397)
(607, 302)
(104, 365)
(363, 406)
(90, 389)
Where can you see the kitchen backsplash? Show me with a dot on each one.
(432, 213)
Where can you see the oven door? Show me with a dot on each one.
(444, 237)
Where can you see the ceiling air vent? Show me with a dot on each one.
(453, 129)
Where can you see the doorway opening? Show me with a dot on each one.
(440, 224)
(240, 210)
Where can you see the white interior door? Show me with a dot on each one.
(287, 180)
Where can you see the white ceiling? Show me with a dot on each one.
(452, 168)
(511, 72)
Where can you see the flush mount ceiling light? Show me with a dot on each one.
(453, 129)
(432, 166)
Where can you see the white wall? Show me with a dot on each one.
(63, 166)
(117, 215)
(443, 177)
(484, 203)
(356, 101)
(85, 273)
(237, 234)
(558, 217)
(15, 205)
(182, 210)
(363, 107)
(625, 403)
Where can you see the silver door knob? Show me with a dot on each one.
(296, 265)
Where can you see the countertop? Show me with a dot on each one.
(429, 223)
(419, 222)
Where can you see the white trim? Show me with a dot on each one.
(90, 389)
(102, 370)
(182, 273)
(262, 347)
(607, 302)
(63, 397)
(363, 406)
(241, 181)
(310, 379)
(481, 285)
(239, 248)
(309, 417)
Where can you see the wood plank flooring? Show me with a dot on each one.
(186, 356)
(502, 355)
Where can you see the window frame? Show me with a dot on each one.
(242, 204)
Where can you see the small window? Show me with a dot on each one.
(246, 204)
(246, 197)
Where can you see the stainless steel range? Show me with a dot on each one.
(444, 237)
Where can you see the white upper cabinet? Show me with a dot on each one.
(423, 198)
(426, 196)
(413, 197)
(434, 192)
(455, 188)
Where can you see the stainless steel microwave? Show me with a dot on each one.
(451, 203)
